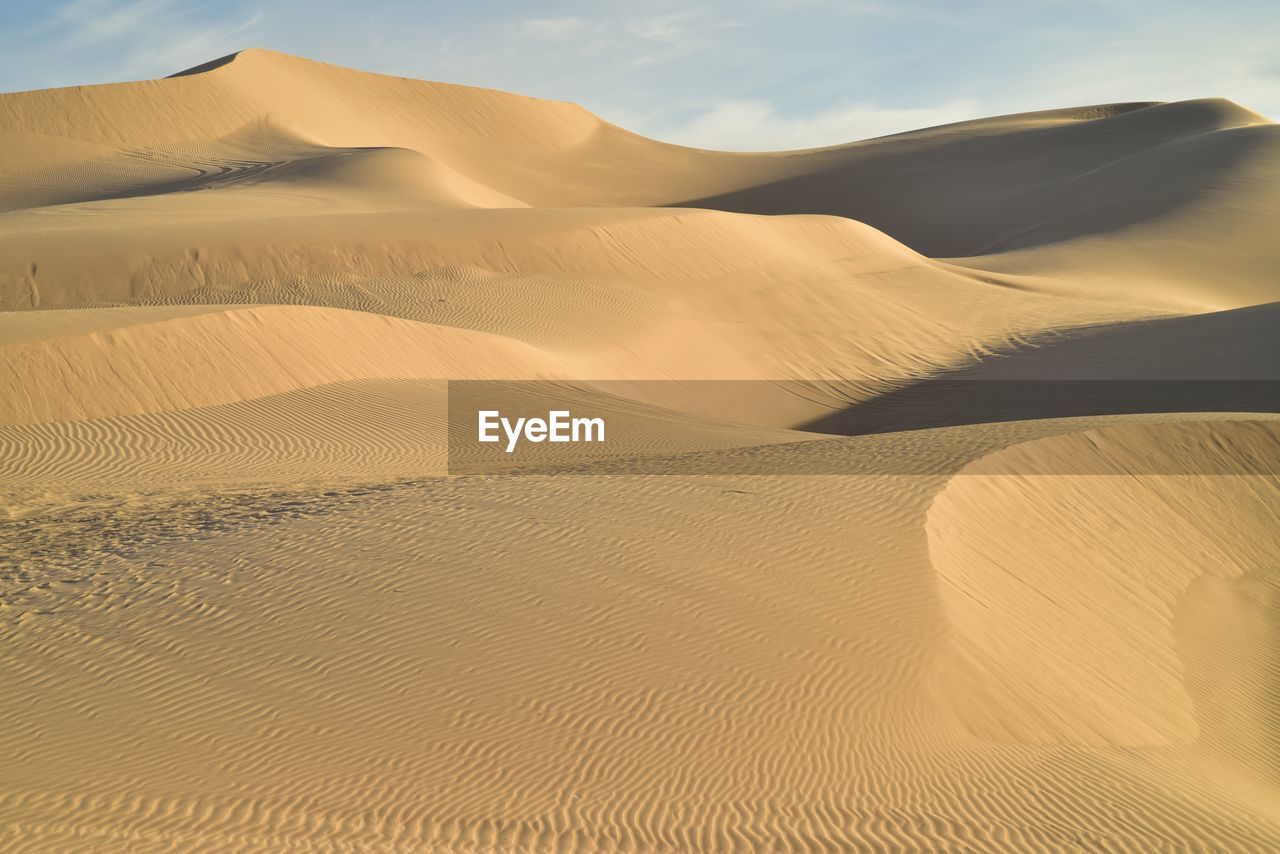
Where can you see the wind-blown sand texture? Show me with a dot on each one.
(244, 606)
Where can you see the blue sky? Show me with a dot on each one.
(750, 74)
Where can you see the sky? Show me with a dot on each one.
(730, 74)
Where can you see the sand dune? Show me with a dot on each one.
(938, 514)
(1034, 607)
(1037, 180)
(162, 360)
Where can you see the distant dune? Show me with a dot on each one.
(840, 584)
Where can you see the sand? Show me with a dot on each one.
(841, 582)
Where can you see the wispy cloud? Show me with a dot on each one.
(173, 44)
(669, 29)
(662, 38)
(555, 29)
(88, 22)
(756, 125)
(125, 39)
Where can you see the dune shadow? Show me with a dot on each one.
(205, 66)
(957, 402)
(957, 196)
(1226, 361)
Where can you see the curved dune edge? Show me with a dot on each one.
(170, 360)
(359, 431)
(161, 247)
(1116, 587)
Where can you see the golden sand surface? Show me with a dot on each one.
(250, 600)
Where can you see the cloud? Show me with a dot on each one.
(669, 29)
(180, 43)
(128, 39)
(839, 8)
(88, 22)
(757, 126)
(554, 29)
(675, 35)
(1170, 63)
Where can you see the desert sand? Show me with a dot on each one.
(829, 591)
